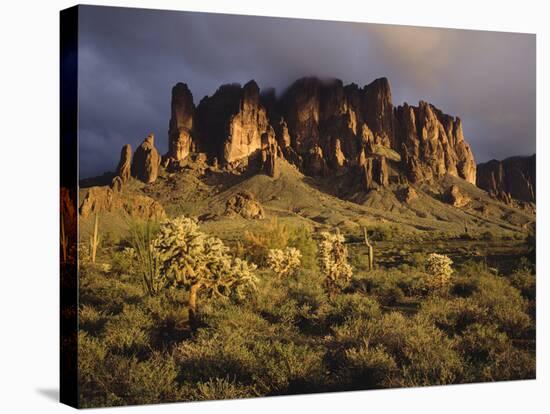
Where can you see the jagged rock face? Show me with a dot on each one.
(378, 111)
(269, 154)
(146, 162)
(512, 178)
(374, 173)
(432, 144)
(180, 133)
(104, 200)
(320, 115)
(232, 122)
(324, 128)
(124, 168)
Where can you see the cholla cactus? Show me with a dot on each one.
(195, 261)
(439, 268)
(333, 260)
(283, 262)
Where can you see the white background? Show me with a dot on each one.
(29, 144)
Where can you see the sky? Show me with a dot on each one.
(129, 59)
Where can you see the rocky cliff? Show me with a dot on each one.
(323, 127)
(512, 178)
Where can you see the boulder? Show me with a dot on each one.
(408, 194)
(456, 198)
(245, 205)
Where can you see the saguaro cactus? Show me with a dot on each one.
(94, 239)
(371, 250)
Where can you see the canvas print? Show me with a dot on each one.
(259, 206)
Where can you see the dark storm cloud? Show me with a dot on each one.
(130, 59)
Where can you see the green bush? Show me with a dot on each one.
(91, 320)
(118, 380)
(106, 293)
(367, 367)
(525, 282)
(423, 353)
(217, 389)
(383, 233)
(255, 352)
(128, 332)
(452, 315)
(391, 286)
(346, 307)
(490, 356)
(505, 306)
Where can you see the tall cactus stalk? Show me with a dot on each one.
(64, 240)
(371, 250)
(94, 239)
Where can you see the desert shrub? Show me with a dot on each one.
(275, 235)
(524, 279)
(333, 261)
(438, 267)
(288, 367)
(90, 319)
(124, 261)
(348, 334)
(452, 315)
(91, 360)
(215, 353)
(490, 355)
(366, 366)
(384, 233)
(283, 261)
(217, 389)
(242, 344)
(170, 325)
(473, 268)
(271, 235)
(119, 380)
(505, 306)
(463, 286)
(423, 353)
(306, 301)
(347, 307)
(127, 332)
(488, 235)
(107, 294)
(301, 239)
(418, 260)
(390, 287)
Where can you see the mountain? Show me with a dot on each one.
(324, 128)
(511, 179)
(323, 154)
